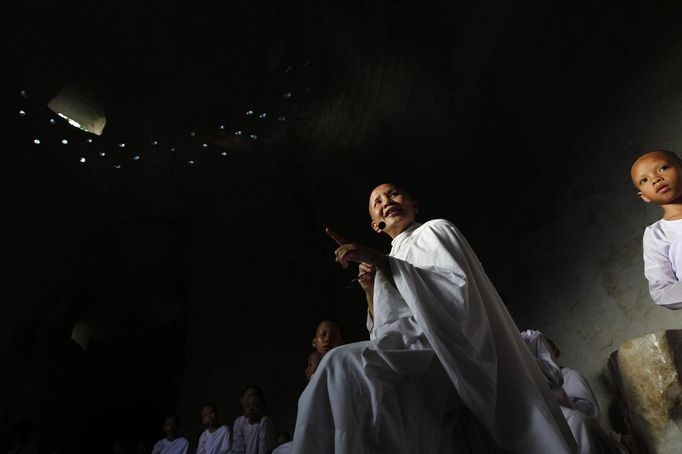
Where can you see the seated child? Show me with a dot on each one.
(216, 438)
(657, 175)
(588, 434)
(282, 437)
(254, 433)
(577, 388)
(314, 359)
(172, 444)
(327, 336)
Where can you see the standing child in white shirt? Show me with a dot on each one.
(657, 175)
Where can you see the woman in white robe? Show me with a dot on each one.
(441, 340)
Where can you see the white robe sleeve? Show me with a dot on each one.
(664, 286)
(478, 344)
(158, 447)
(266, 436)
(238, 438)
(201, 447)
(580, 393)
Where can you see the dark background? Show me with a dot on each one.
(191, 281)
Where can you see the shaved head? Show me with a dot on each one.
(673, 157)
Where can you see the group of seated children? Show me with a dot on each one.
(252, 432)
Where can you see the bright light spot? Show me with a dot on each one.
(190, 162)
(65, 142)
(253, 136)
(52, 121)
(22, 113)
(101, 153)
(82, 159)
(117, 166)
(192, 133)
(263, 115)
(89, 140)
(221, 127)
(204, 145)
(172, 148)
(237, 133)
(224, 153)
(36, 141)
(136, 158)
(287, 95)
(121, 145)
(78, 106)
(23, 93)
(250, 112)
(155, 142)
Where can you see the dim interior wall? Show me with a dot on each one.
(579, 276)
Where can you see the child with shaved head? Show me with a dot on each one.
(657, 175)
(327, 336)
(172, 444)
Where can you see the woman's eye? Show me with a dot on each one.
(642, 181)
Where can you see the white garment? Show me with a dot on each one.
(662, 247)
(284, 448)
(218, 442)
(580, 393)
(540, 349)
(257, 438)
(165, 446)
(589, 435)
(442, 324)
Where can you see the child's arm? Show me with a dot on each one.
(664, 286)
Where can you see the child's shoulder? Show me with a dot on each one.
(663, 228)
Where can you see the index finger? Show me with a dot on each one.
(336, 237)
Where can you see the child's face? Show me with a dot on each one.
(208, 417)
(313, 361)
(657, 177)
(327, 336)
(391, 205)
(170, 427)
(253, 408)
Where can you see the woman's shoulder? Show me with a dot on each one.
(438, 225)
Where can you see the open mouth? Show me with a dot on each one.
(392, 211)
